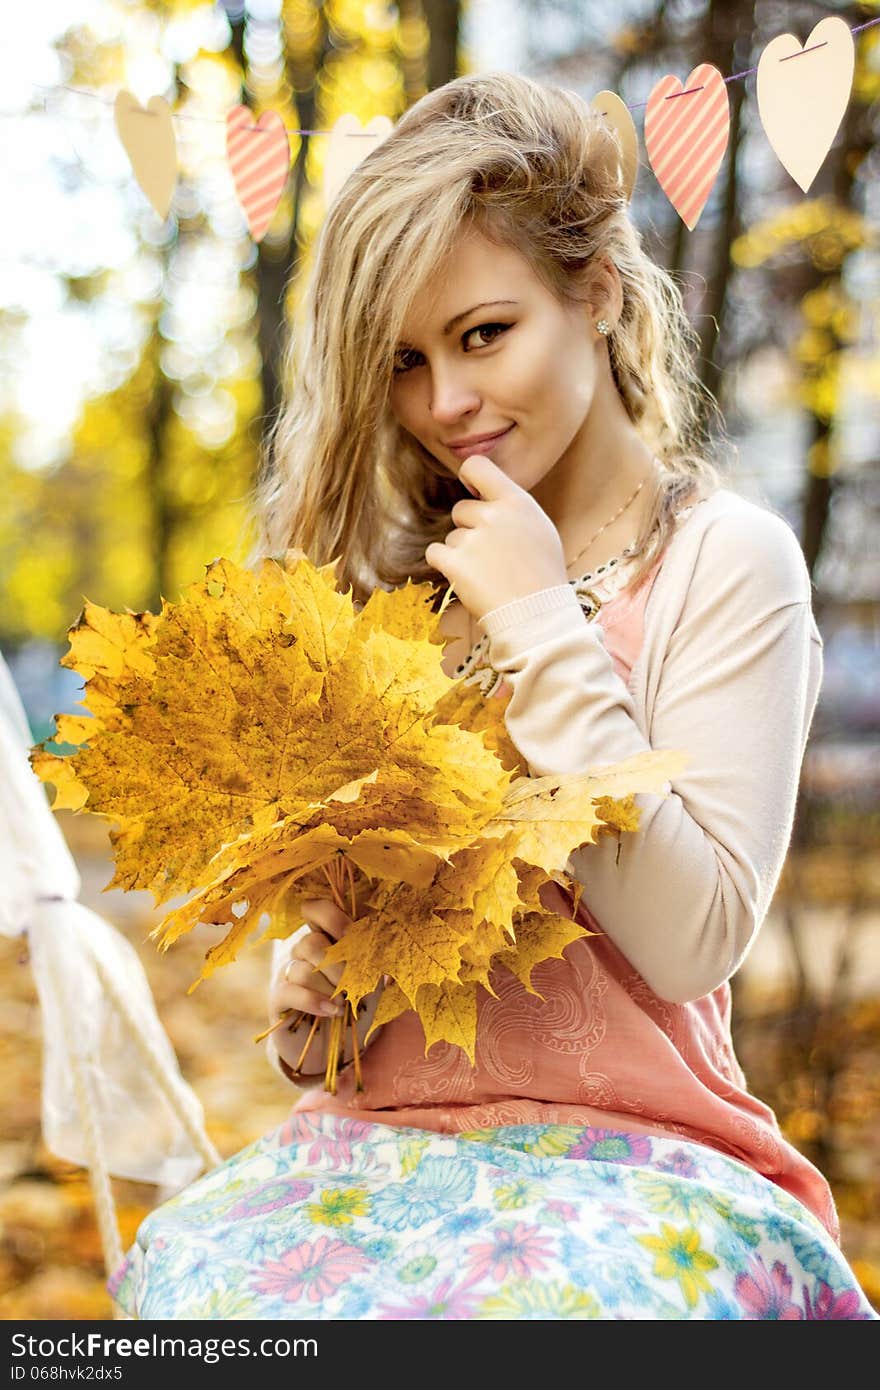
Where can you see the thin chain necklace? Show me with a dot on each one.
(607, 524)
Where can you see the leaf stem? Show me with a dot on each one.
(359, 1080)
(336, 1029)
(337, 872)
(285, 1018)
(312, 1031)
(447, 599)
(353, 913)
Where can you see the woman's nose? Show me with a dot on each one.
(451, 397)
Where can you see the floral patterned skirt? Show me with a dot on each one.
(328, 1217)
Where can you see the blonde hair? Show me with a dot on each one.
(527, 165)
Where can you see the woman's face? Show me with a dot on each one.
(522, 363)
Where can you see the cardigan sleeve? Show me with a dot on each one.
(739, 682)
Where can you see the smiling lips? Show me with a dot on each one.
(479, 446)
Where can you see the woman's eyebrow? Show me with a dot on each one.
(487, 304)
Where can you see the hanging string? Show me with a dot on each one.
(183, 116)
(370, 135)
(746, 72)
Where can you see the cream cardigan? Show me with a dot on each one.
(730, 671)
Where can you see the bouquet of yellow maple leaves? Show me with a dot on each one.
(262, 738)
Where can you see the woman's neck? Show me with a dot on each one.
(600, 535)
(596, 476)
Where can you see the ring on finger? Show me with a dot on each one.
(285, 974)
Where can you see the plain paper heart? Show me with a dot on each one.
(803, 93)
(686, 136)
(617, 115)
(148, 138)
(348, 144)
(258, 155)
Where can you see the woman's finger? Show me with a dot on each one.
(313, 1001)
(300, 974)
(305, 990)
(288, 994)
(312, 948)
(324, 914)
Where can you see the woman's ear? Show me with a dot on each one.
(605, 291)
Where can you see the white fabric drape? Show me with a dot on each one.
(112, 1092)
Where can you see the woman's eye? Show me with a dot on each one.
(483, 335)
(486, 328)
(400, 364)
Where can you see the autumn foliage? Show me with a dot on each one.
(260, 734)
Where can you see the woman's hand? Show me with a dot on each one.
(504, 547)
(301, 984)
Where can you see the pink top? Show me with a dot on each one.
(601, 1048)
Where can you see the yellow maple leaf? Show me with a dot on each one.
(448, 1013)
(392, 1003)
(545, 818)
(402, 936)
(227, 717)
(539, 937)
(467, 705)
(261, 737)
(617, 814)
(448, 1010)
(481, 877)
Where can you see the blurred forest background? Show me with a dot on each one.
(140, 369)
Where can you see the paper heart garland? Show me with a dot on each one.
(801, 106)
(617, 115)
(347, 146)
(802, 103)
(147, 135)
(259, 159)
(686, 136)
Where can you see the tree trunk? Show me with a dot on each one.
(277, 266)
(443, 18)
(413, 68)
(160, 407)
(838, 174)
(159, 410)
(724, 50)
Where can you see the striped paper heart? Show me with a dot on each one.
(686, 136)
(259, 158)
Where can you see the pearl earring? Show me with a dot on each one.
(603, 327)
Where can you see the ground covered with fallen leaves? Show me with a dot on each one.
(821, 1075)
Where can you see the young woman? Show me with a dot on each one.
(494, 391)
